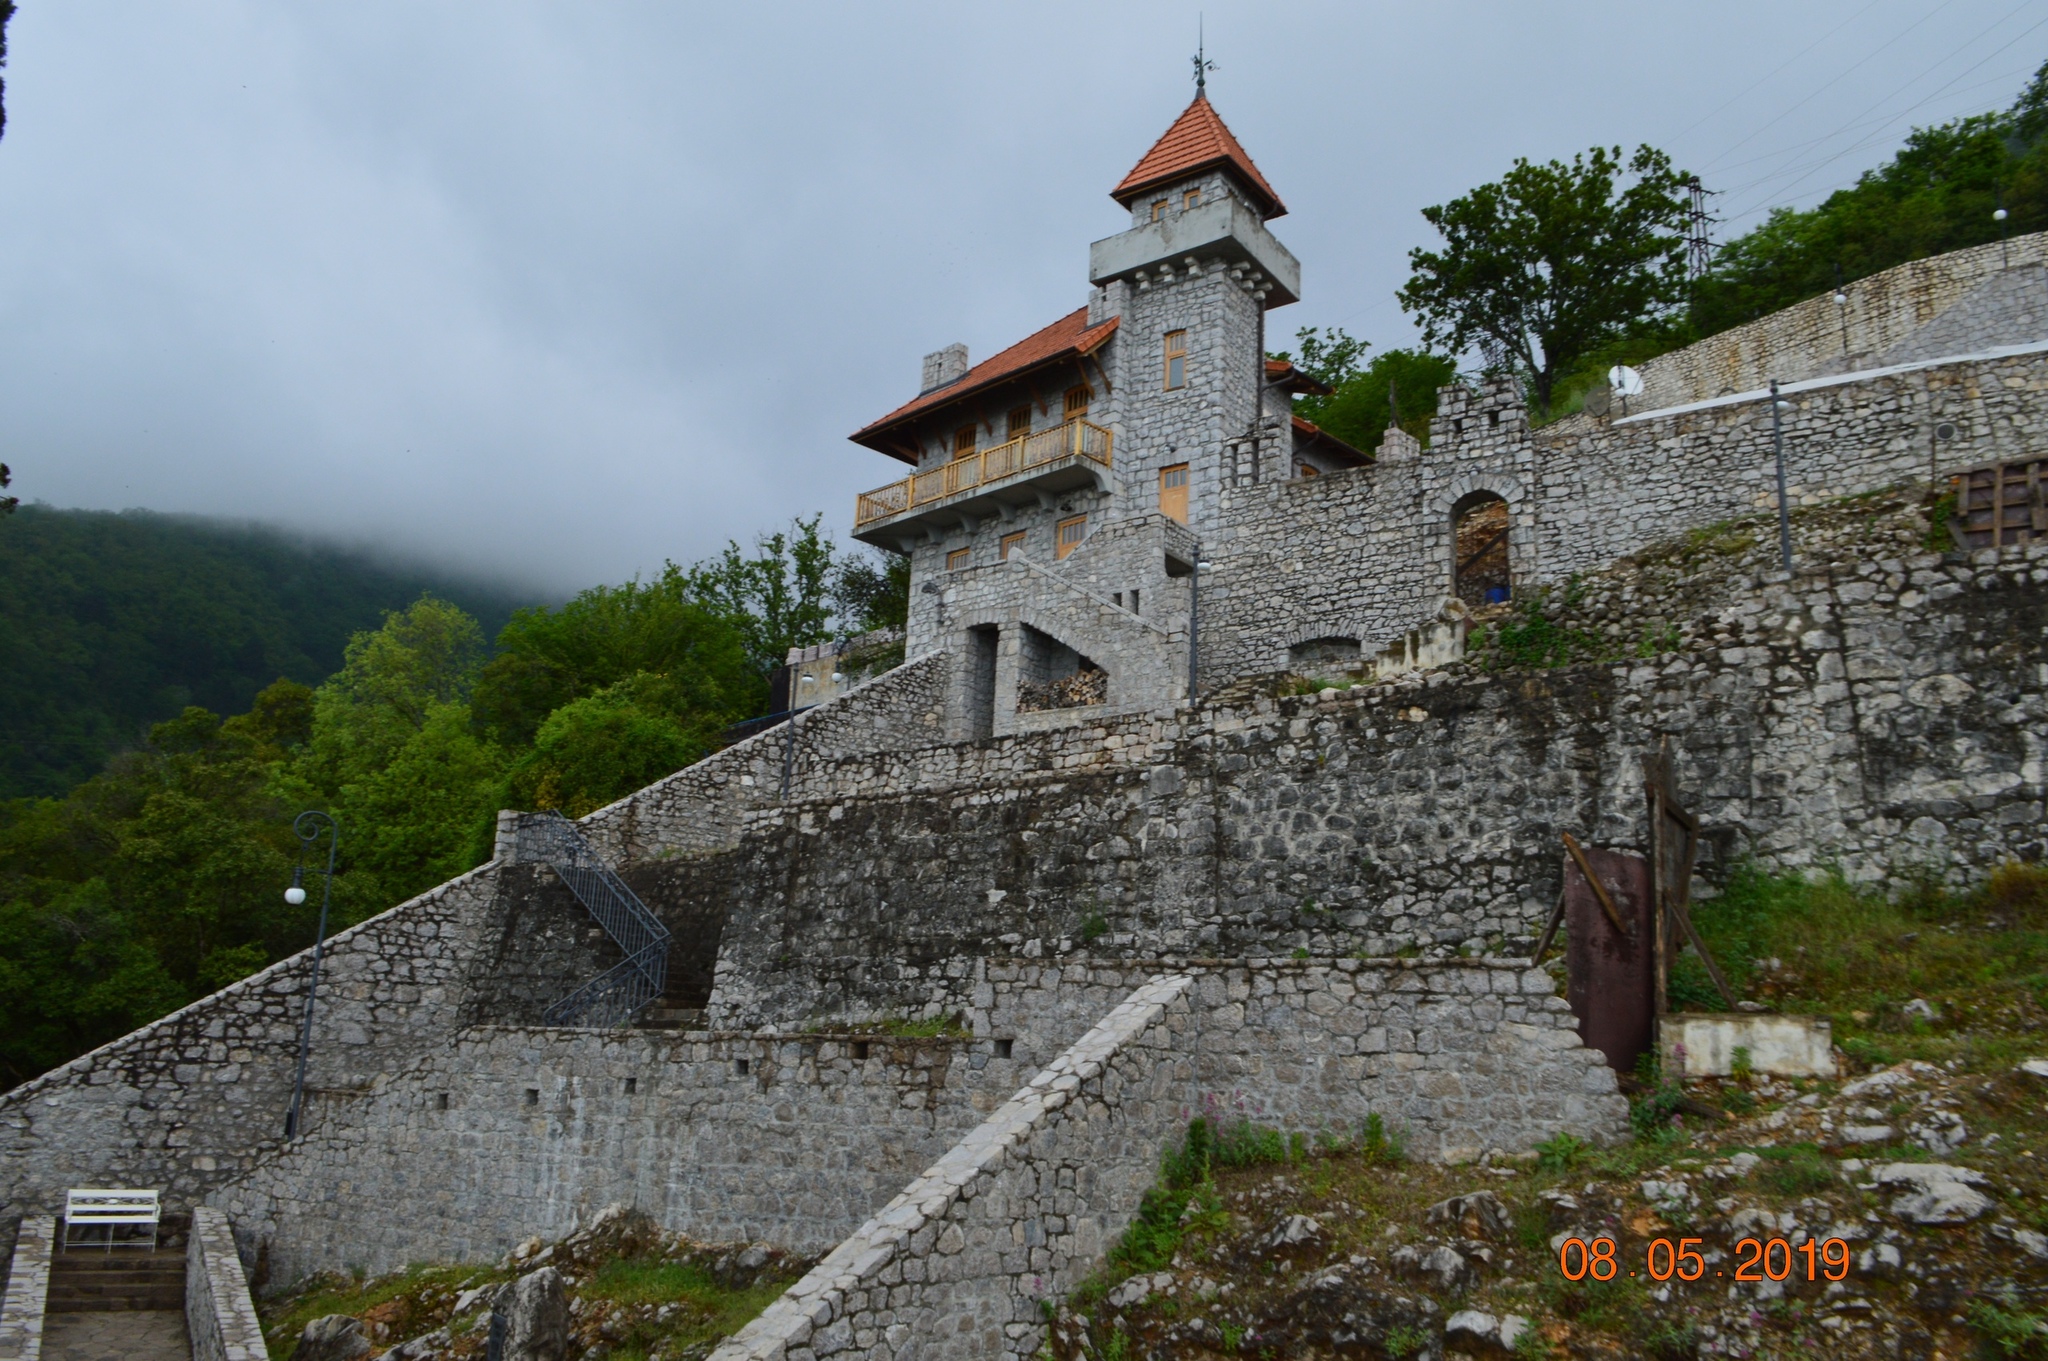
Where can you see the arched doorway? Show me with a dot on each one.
(1479, 553)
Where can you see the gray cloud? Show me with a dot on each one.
(559, 291)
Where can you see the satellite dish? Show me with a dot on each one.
(1625, 381)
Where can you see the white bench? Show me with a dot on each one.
(114, 1209)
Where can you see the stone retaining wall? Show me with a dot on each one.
(1882, 714)
(1366, 554)
(28, 1289)
(511, 1131)
(1016, 1212)
(219, 1315)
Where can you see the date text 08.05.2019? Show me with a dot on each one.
(1755, 1260)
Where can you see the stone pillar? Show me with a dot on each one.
(28, 1288)
(1397, 444)
(1009, 657)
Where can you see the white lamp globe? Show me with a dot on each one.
(295, 895)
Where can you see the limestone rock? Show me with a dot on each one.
(1477, 1214)
(536, 1313)
(2035, 1068)
(334, 1337)
(1292, 1232)
(1934, 1193)
(1472, 1327)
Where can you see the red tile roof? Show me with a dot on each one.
(1068, 338)
(1196, 142)
(1315, 436)
(1281, 373)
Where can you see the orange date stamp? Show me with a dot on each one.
(1773, 1259)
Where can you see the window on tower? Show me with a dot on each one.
(1020, 422)
(1012, 543)
(1176, 359)
(957, 559)
(1077, 401)
(1158, 209)
(1191, 199)
(1069, 535)
(963, 441)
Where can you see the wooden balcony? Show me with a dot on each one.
(1067, 454)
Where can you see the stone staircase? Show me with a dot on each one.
(91, 1279)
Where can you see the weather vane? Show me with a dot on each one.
(1203, 66)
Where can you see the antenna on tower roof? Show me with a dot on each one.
(1203, 66)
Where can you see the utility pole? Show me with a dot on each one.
(1784, 504)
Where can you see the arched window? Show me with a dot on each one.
(1479, 554)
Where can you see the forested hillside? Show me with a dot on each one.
(160, 878)
(112, 622)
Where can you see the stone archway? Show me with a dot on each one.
(1481, 571)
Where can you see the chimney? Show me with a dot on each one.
(944, 366)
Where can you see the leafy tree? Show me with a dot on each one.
(7, 503)
(112, 622)
(1552, 261)
(552, 657)
(1937, 194)
(872, 592)
(1365, 397)
(779, 599)
(606, 745)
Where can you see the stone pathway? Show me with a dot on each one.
(116, 1335)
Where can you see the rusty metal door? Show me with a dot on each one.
(1612, 988)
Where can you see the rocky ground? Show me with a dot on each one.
(619, 1288)
(1931, 1179)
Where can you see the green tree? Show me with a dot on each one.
(779, 598)
(552, 657)
(392, 755)
(872, 592)
(1365, 397)
(607, 744)
(1552, 261)
(7, 503)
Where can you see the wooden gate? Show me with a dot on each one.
(2001, 503)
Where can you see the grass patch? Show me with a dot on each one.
(411, 1290)
(897, 1027)
(1857, 954)
(1529, 638)
(703, 1311)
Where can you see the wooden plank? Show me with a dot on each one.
(1599, 889)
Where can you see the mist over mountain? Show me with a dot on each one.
(110, 622)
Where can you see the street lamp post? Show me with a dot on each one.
(1784, 504)
(307, 826)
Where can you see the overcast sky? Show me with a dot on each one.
(558, 291)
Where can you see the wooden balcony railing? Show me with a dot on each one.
(1073, 439)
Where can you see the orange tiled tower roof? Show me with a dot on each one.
(1197, 141)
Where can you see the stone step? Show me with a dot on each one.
(663, 1017)
(83, 1280)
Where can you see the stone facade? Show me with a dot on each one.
(219, 1315)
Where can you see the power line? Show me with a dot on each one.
(1857, 66)
(1775, 70)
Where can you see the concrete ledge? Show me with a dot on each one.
(1702, 1044)
(28, 1288)
(219, 1314)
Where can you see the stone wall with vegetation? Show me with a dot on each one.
(1880, 712)
(1365, 555)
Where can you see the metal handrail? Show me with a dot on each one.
(1076, 438)
(621, 992)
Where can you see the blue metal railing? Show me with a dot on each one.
(623, 991)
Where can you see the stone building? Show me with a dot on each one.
(1064, 488)
(1123, 904)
